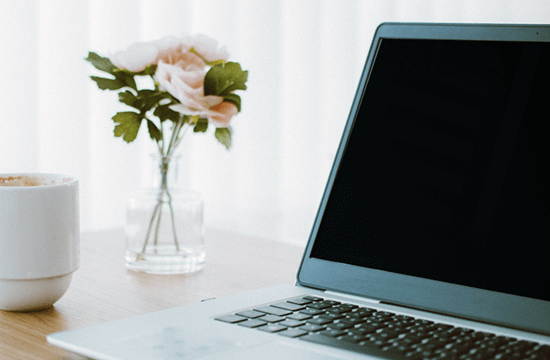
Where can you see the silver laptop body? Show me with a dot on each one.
(436, 213)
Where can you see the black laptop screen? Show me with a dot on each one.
(446, 173)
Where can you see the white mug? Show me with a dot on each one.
(39, 239)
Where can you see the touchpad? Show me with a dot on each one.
(278, 350)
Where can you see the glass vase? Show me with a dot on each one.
(165, 224)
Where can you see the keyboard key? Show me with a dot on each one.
(339, 326)
(331, 302)
(319, 321)
(458, 330)
(426, 322)
(382, 316)
(310, 311)
(369, 328)
(375, 341)
(353, 320)
(313, 298)
(482, 354)
(381, 336)
(400, 324)
(333, 332)
(292, 323)
(272, 328)
(407, 318)
(312, 327)
(383, 313)
(319, 305)
(293, 333)
(299, 316)
(541, 352)
(521, 345)
(375, 323)
(332, 316)
(359, 331)
(362, 312)
(418, 335)
(252, 323)
(251, 314)
(288, 306)
(445, 327)
(353, 338)
(232, 319)
(395, 332)
(352, 306)
(457, 348)
(273, 311)
(299, 301)
(440, 334)
(404, 342)
(340, 309)
(429, 344)
(271, 318)
(445, 355)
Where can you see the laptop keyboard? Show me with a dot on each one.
(380, 333)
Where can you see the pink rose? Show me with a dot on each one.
(188, 88)
(181, 73)
(175, 52)
(220, 115)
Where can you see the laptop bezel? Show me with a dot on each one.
(476, 304)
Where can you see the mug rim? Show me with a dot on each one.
(65, 180)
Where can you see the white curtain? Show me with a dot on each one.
(304, 60)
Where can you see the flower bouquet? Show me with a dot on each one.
(190, 85)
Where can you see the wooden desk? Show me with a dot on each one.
(103, 289)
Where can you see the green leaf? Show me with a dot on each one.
(201, 126)
(148, 71)
(224, 136)
(163, 112)
(152, 98)
(154, 131)
(209, 63)
(127, 97)
(128, 125)
(108, 84)
(145, 101)
(233, 99)
(101, 63)
(122, 77)
(126, 78)
(225, 78)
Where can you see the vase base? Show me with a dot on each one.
(167, 264)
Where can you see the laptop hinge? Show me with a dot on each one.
(352, 297)
(307, 286)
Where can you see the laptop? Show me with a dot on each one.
(432, 238)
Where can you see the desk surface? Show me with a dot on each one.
(103, 289)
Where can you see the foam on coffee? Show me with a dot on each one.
(30, 180)
(22, 180)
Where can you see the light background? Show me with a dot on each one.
(304, 60)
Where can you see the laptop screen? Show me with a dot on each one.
(446, 173)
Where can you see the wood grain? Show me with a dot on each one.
(103, 289)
